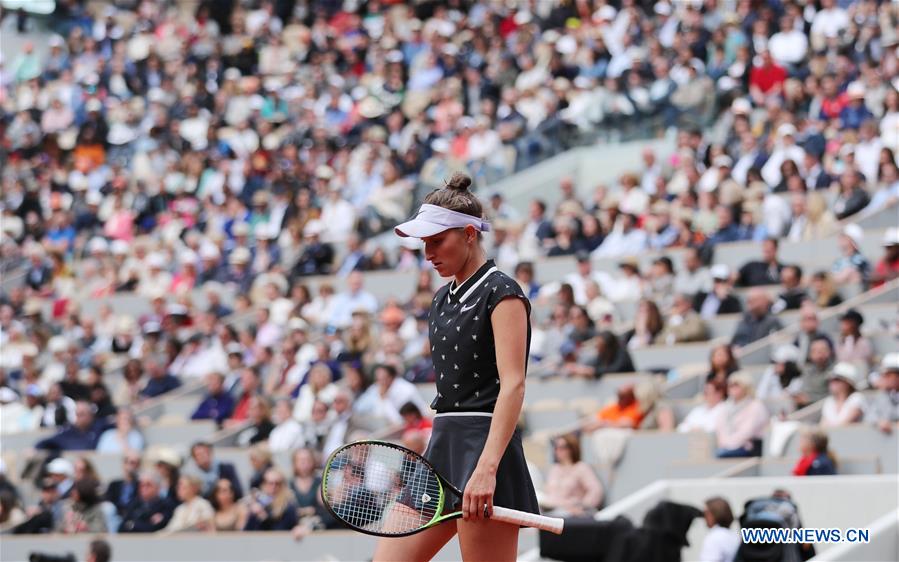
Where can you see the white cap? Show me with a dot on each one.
(607, 12)
(98, 245)
(297, 323)
(785, 354)
(240, 229)
(720, 271)
(440, 145)
(93, 104)
(57, 344)
(314, 228)
(855, 233)
(239, 256)
(855, 90)
(723, 160)
(786, 129)
(156, 260)
(209, 252)
(849, 373)
(119, 247)
(8, 395)
(741, 106)
(61, 466)
(93, 198)
(188, 257)
(891, 237)
(890, 362)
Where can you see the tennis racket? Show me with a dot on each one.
(387, 490)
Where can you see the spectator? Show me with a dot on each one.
(149, 511)
(852, 196)
(693, 278)
(194, 513)
(43, 517)
(814, 381)
(782, 379)
(705, 416)
(762, 272)
(62, 471)
(808, 332)
(389, 393)
(249, 385)
(793, 294)
(318, 388)
(742, 424)
(306, 483)
(168, 466)
(720, 300)
(683, 324)
(98, 551)
(217, 404)
(287, 433)
(884, 406)
(817, 460)
(354, 299)
(122, 491)
(720, 543)
(611, 357)
(273, 507)
(572, 488)
(261, 423)
(722, 363)
(160, 380)
(845, 404)
(887, 267)
(824, 293)
(647, 326)
(758, 321)
(210, 470)
(82, 512)
(125, 437)
(851, 267)
(851, 344)
(83, 434)
(11, 515)
(230, 515)
(624, 412)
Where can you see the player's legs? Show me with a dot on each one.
(414, 548)
(487, 540)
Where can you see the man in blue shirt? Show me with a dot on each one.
(217, 404)
(81, 435)
(160, 380)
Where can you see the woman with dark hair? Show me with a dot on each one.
(721, 543)
(647, 325)
(572, 488)
(230, 515)
(782, 379)
(581, 325)
(611, 357)
(82, 512)
(722, 363)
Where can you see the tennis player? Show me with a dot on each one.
(479, 330)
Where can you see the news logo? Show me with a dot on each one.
(809, 535)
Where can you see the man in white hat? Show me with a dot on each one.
(845, 404)
(852, 266)
(318, 256)
(883, 410)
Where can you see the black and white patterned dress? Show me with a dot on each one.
(468, 383)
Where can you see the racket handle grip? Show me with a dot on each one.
(515, 517)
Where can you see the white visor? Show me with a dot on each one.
(432, 220)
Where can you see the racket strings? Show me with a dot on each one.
(382, 489)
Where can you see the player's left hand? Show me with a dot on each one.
(478, 494)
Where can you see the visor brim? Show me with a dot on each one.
(418, 228)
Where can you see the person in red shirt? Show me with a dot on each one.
(887, 267)
(249, 384)
(625, 412)
(833, 101)
(766, 79)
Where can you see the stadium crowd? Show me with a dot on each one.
(225, 155)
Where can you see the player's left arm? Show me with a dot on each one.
(509, 320)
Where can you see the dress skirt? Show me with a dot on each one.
(455, 448)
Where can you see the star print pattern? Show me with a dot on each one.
(465, 357)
